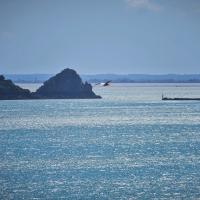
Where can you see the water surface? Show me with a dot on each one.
(128, 145)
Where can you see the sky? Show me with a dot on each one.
(100, 36)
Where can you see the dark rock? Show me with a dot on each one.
(2, 78)
(65, 85)
(8, 90)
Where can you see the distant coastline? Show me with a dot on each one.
(116, 78)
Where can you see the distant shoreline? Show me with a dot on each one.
(176, 82)
(115, 78)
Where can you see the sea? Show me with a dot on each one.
(128, 145)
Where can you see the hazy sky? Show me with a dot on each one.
(100, 36)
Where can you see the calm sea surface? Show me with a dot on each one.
(128, 145)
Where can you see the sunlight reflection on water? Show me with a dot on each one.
(128, 145)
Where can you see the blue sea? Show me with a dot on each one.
(128, 145)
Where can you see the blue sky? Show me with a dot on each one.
(100, 36)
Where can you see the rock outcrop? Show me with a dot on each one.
(9, 91)
(65, 85)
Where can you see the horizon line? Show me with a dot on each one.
(160, 74)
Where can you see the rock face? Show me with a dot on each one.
(65, 85)
(9, 91)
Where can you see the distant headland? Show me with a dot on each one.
(116, 78)
(64, 85)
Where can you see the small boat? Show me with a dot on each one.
(179, 99)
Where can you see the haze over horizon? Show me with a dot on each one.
(99, 37)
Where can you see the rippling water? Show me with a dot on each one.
(128, 145)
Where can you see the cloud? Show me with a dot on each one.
(144, 4)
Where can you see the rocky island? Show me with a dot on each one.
(64, 85)
(8, 90)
